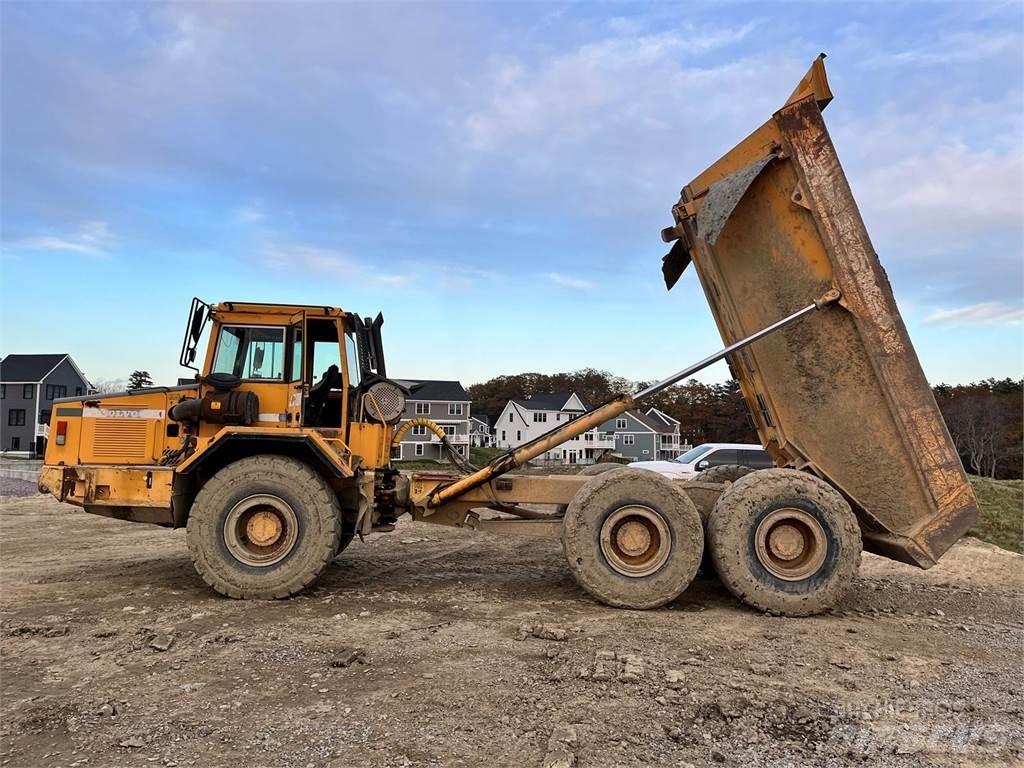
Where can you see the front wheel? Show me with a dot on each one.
(632, 539)
(263, 527)
(784, 541)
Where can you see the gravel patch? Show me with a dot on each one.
(11, 487)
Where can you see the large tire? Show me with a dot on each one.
(784, 541)
(600, 469)
(279, 499)
(723, 473)
(632, 539)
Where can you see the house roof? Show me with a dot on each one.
(656, 424)
(483, 418)
(549, 402)
(662, 417)
(29, 368)
(427, 389)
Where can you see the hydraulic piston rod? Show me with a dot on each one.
(534, 448)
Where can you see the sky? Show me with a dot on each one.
(492, 177)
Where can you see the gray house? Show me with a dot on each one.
(444, 402)
(644, 436)
(28, 386)
(480, 432)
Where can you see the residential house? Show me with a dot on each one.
(524, 419)
(28, 386)
(670, 444)
(480, 435)
(644, 436)
(444, 402)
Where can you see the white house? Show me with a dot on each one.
(525, 419)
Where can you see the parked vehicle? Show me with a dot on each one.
(707, 455)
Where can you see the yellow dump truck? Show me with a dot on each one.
(277, 457)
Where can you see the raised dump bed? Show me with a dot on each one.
(769, 226)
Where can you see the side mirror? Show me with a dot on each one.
(702, 465)
(257, 359)
(198, 318)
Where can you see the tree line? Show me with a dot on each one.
(985, 419)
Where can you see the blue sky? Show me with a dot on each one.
(492, 177)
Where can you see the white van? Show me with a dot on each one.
(708, 455)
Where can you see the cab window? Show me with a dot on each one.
(354, 374)
(250, 352)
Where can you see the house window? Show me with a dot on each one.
(26, 391)
(540, 417)
(510, 418)
(628, 439)
(396, 452)
(78, 390)
(422, 409)
(519, 435)
(44, 417)
(454, 409)
(15, 443)
(54, 391)
(449, 429)
(503, 435)
(620, 423)
(419, 449)
(588, 437)
(558, 417)
(419, 430)
(16, 417)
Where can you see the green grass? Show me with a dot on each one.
(1001, 518)
(422, 464)
(481, 456)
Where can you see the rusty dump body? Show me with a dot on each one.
(770, 225)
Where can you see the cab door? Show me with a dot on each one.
(325, 378)
(297, 386)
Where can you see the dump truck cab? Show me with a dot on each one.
(302, 382)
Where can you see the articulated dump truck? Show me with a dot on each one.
(278, 455)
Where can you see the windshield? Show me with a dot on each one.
(693, 454)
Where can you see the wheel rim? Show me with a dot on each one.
(261, 530)
(791, 544)
(635, 540)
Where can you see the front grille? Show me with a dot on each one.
(121, 438)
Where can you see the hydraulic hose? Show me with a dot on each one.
(418, 422)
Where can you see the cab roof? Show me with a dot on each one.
(276, 309)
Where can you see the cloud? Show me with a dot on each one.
(301, 258)
(948, 190)
(567, 281)
(88, 240)
(623, 82)
(988, 312)
(249, 214)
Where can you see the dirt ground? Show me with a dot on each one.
(430, 646)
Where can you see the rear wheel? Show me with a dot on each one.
(632, 539)
(264, 527)
(784, 541)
